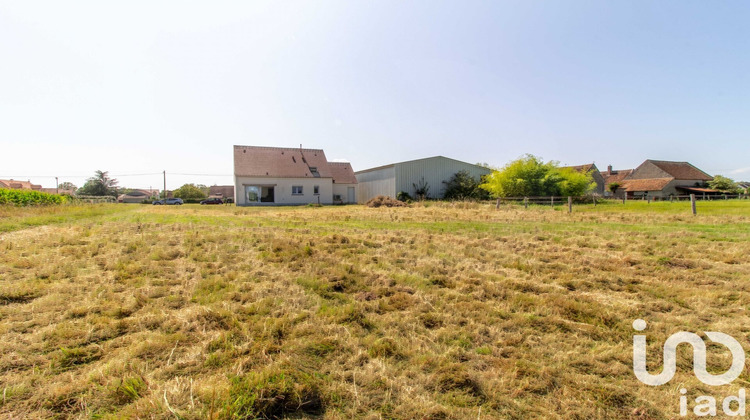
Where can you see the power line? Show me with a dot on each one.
(172, 173)
(111, 175)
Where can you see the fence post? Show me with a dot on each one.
(594, 197)
(692, 204)
(526, 202)
(648, 199)
(570, 204)
(552, 201)
(497, 206)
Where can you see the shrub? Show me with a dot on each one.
(30, 198)
(421, 190)
(462, 186)
(403, 196)
(529, 176)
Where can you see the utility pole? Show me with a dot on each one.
(165, 185)
(57, 186)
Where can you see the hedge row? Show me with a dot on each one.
(29, 198)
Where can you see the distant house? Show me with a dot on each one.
(391, 179)
(660, 178)
(12, 184)
(615, 177)
(137, 196)
(221, 191)
(595, 174)
(290, 176)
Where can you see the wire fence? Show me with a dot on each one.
(553, 201)
(561, 200)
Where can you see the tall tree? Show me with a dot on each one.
(67, 185)
(190, 192)
(100, 185)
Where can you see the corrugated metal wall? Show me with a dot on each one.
(374, 183)
(435, 170)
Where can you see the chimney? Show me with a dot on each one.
(609, 170)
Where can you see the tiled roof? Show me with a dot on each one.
(681, 170)
(342, 173)
(18, 185)
(223, 191)
(654, 184)
(279, 162)
(581, 168)
(616, 176)
(697, 189)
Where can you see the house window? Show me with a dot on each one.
(297, 190)
(259, 194)
(316, 190)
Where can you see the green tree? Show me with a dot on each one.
(724, 184)
(462, 186)
(573, 183)
(528, 176)
(67, 186)
(189, 192)
(203, 188)
(100, 185)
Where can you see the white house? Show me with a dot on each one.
(290, 176)
(430, 172)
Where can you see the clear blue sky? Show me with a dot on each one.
(141, 86)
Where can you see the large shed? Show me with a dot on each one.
(391, 179)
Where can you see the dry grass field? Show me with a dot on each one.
(437, 311)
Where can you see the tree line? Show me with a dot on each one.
(102, 185)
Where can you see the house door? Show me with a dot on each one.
(350, 195)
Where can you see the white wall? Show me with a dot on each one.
(343, 191)
(283, 190)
